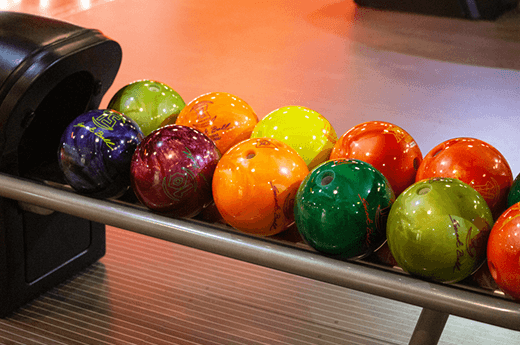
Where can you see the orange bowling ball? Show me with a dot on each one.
(255, 183)
(474, 162)
(224, 118)
(387, 147)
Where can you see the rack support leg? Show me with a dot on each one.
(429, 327)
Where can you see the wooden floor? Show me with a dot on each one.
(438, 78)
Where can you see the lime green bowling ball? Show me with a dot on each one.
(341, 208)
(306, 131)
(438, 228)
(149, 103)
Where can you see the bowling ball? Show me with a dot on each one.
(514, 193)
(172, 170)
(342, 206)
(95, 152)
(438, 228)
(503, 252)
(482, 278)
(148, 102)
(224, 118)
(210, 214)
(384, 256)
(474, 162)
(305, 130)
(255, 183)
(387, 147)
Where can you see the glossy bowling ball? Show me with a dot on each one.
(503, 252)
(305, 130)
(438, 228)
(95, 153)
(387, 147)
(473, 162)
(172, 171)
(342, 206)
(255, 183)
(384, 256)
(224, 118)
(149, 103)
(482, 278)
(514, 193)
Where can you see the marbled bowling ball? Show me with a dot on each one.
(514, 193)
(149, 103)
(341, 208)
(387, 147)
(255, 184)
(503, 252)
(474, 162)
(224, 118)
(96, 150)
(172, 171)
(438, 229)
(309, 133)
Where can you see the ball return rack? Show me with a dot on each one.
(437, 300)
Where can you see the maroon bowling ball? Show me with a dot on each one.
(172, 171)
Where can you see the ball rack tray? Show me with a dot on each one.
(437, 300)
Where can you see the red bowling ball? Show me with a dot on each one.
(387, 147)
(503, 251)
(172, 171)
(474, 162)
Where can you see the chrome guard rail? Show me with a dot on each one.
(440, 298)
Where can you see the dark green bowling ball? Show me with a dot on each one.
(341, 208)
(514, 193)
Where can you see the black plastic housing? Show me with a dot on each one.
(50, 72)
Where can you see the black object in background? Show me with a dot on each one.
(50, 72)
(470, 9)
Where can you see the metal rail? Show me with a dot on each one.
(437, 299)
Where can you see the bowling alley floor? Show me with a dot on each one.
(148, 291)
(436, 77)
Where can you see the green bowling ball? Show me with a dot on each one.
(149, 103)
(514, 193)
(438, 228)
(341, 208)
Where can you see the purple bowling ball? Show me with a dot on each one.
(95, 153)
(172, 171)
